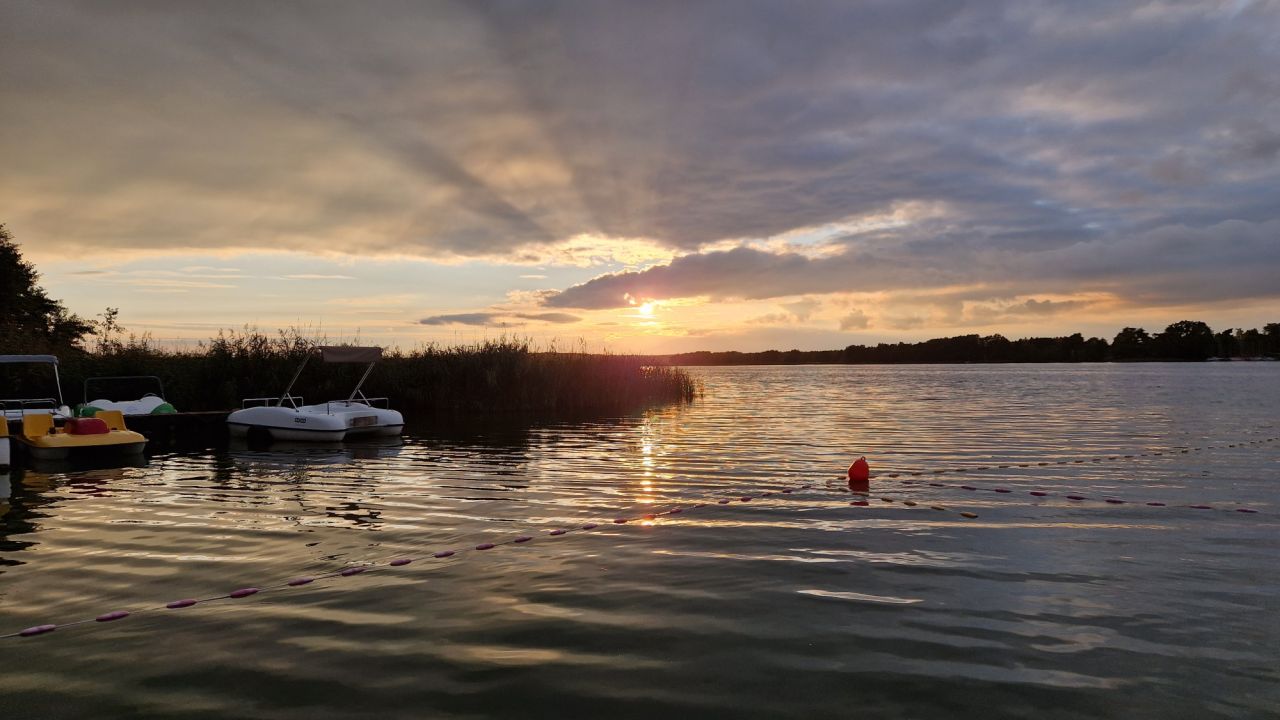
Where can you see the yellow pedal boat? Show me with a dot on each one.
(105, 433)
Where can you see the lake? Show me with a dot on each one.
(793, 605)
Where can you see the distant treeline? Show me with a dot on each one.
(1187, 340)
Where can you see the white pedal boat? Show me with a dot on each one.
(151, 402)
(286, 418)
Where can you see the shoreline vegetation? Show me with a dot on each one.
(497, 377)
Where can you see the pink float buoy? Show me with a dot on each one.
(1246, 510)
(400, 562)
(558, 531)
(590, 526)
(723, 502)
(1200, 507)
(244, 592)
(968, 487)
(353, 571)
(523, 539)
(1077, 497)
(38, 630)
(1038, 493)
(188, 602)
(114, 615)
(674, 511)
(485, 546)
(1002, 490)
(1115, 501)
(620, 521)
(301, 581)
(443, 554)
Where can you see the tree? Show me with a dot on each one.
(1131, 343)
(1186, 340)
(1271, 339)
(29, 318)
(1227, 345)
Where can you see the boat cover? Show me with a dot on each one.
(347, 354)
(53, 359)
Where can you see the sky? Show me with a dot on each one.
(647, 176)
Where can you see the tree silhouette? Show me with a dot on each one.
(29, 319)
(1186, 340)
(1131, 344)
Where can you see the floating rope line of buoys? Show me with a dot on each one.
(859, 476)
(398, 562)
(1074, 461)
(862, 499)
(1078, 497)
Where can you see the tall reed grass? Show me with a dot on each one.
(503, 376)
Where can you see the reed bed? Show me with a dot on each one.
(496, 377)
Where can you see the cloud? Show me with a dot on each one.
(497, 318)
(855, 320)
(720, 149)
(1231, 260)
(476, 318)
(551, 317)
(802, 309)
(741, 273)
(772, 319)
(315, 276)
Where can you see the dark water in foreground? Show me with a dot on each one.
(792, 606)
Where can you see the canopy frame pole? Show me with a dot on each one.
(296, 375)
(359, 384)
(58, 382)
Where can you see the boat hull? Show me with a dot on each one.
(331, 422)
(63, 447)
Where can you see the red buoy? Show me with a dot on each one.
(859, 474)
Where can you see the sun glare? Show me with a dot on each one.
(646, 309)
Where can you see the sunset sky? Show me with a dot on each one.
(647, 176)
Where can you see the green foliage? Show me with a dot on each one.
(31, 321)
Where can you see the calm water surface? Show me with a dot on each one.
(792, 606)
